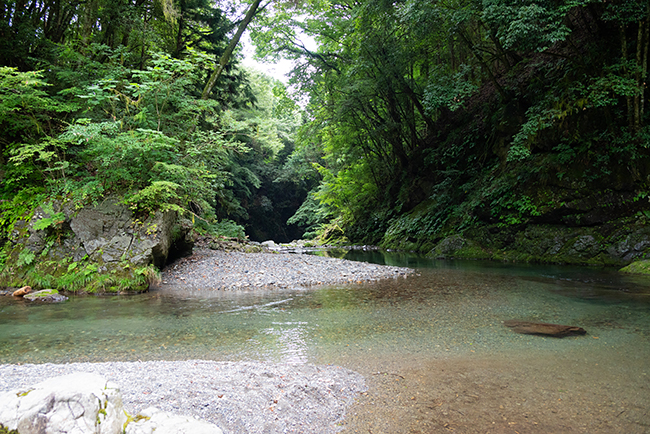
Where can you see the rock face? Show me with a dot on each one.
(103, 239)
(72, 404)
(540, 328)
(85, 403)
(617, 243)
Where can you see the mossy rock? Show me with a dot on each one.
(47, 296)
(638, 267)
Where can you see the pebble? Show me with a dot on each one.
(219, 270)
(239, 397)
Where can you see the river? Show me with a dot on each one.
(432, 346)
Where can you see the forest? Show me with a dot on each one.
(477, 128)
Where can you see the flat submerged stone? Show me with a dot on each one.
(541, 328)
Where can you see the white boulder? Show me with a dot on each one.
(80, 403)
(153, 420)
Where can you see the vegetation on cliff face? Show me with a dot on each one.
(474, 117)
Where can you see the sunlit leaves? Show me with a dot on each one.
(25, 106)
(528, 25)
(450, 91)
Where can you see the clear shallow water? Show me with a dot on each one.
(448, 309)
(431, 347)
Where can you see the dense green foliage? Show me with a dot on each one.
(435, 117)
(102, 98)
(423, 120)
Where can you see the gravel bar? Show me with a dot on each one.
(239, 397)
(219, 270)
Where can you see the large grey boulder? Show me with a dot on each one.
(81, 403)
(153, 420)
(109, 233)
(106, 238)
(448, 246)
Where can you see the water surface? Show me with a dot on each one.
(449, 310)
(448, 307)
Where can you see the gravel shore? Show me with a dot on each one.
(239, 397)
(227, 271)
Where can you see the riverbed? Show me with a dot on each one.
(431, 346)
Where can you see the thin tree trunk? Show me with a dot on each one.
(485, 66)
(143, 49)
(638, 78)
(628, 99)
(180, 43)
(644, 75)
(231, 47)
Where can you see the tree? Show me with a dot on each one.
(417, 102)
(231, 47)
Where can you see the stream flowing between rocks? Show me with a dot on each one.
(432, 347)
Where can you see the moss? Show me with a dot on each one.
(45, 293)
(130, 418)
(253, 249)
(5, 430)
(638, 267)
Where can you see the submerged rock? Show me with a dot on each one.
(541, 328)
(46, 296)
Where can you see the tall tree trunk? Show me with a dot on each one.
(89, 15)
(180, 42)
(231, 47)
